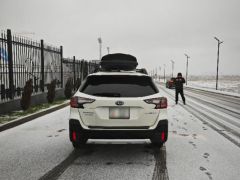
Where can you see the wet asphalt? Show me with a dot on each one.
(41, 149)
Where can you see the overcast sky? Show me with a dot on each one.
(155, 31)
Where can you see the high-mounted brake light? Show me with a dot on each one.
(77, 102)
(160, 103)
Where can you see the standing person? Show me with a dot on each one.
(179, 81)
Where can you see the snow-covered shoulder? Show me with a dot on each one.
(214, 91)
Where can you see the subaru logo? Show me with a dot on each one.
(119, 103)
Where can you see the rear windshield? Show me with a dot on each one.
(119, 86)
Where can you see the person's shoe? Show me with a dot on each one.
(176, 102)
(184, 102)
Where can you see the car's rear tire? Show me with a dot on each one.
(76, 135)
(159, 137)
(80, 143)
(156, 142)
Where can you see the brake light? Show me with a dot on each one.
(160, 103)
(77, 102)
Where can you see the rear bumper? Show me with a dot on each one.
(133, 133)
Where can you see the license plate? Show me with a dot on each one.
(119, 113)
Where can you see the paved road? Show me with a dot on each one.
(220, 112)
(229, 104)
(40, 149)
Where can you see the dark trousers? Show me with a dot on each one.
(181, 93)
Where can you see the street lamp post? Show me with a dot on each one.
(159, 73)
(100, 48)
(219, 42)
(187, 67)
(172, 66)
(164, 72)
(156, 75)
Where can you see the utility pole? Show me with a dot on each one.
(108, 50)
(219, 42)
(159, 73)
(156, 73)
(187, 67)
(100, 48)
(164, 71)
(172, 66)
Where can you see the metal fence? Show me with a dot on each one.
(22, 59)
(76, 70)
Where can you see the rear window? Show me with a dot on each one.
(119, 86)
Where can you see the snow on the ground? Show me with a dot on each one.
(215, 91)
(195, 151)
(223, 86)
(231, 88)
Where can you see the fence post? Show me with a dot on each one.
(74, 72)
(10, 63)
(61, 56)
(42, 66)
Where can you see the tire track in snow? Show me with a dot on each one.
(202, 117)
(160, 170)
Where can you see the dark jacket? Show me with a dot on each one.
(179, 81)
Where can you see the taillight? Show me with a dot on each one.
(74, 102)
(77, 102)
(160, 103)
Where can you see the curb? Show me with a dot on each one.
(31, 117)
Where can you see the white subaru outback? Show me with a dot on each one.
(118, 105)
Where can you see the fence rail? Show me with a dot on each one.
(22, 59)
(77, 70)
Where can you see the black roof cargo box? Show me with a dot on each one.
(118, 61)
